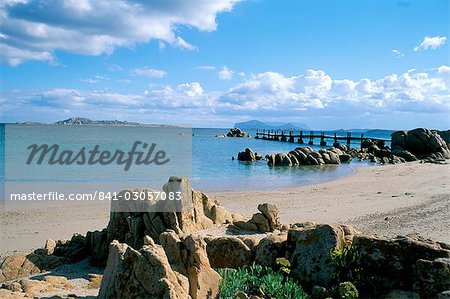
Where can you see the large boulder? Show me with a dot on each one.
(270, 248)
(433, 276)
(247, 155)
(390, 263)
(420, 142)
(140, 274)
(228, 252)
(310, 253)
(271, 213)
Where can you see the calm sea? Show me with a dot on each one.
(214, 170)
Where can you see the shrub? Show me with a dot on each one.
(347, 290)
(260, 281)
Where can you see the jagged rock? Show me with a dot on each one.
(236, 132)
(97, 244)
(271, 213)
(74, 250)
(140, 274)
(203, 280)
(270, 248)
(171, 243)
(247, 155)
(433, 276)
(219, 215)
(310, 250)
(389, 263)
(402, 153)
(228, 252)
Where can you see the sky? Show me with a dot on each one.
(328, 63)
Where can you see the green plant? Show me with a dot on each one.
(347, 290)
(347, 261)
(260, 281)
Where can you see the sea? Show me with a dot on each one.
(212, 167)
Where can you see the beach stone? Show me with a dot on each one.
(390, 263)
(433, 276)
(33, 286)
(310, 250)
(271, 213)
(271, 160)
(139, 274)
(50, 246)
(203, 280)
(59, 282)
(227, 252)
(247, 155)
(261, 222)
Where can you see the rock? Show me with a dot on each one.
(366, 143)
(219, 215)
(261, 222)
(203, 280)
(97, 244)
(171, 243)
(50, 246)
(247, 155)
(281, 159)
(270, 212)
(95, 281)
(269, 249)
(139, 274)
(345, 158)
(271, 160)
(319, 292)
(433, 276)
(399, 294)
(236, 132)
(246, 225)
(389, 263)
(59, 282)
(74, 250)
(13, 286)
(228, 252)
(420, 142)
(445, 135)
(400, 152)
(33, 286)
(311, 253)
(443, 295)
(7, 294)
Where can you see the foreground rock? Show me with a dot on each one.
(141, 274)
(406, 263)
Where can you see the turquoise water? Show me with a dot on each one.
(212, 166)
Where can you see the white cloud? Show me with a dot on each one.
(33, 30)
(148, 72)
(205, 67)
(429, 42)
(313, 94)
(397, 54)
(225, 73)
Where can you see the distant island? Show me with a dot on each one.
(85, 121)
(256, 124)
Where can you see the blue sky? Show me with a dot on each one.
(330, 64)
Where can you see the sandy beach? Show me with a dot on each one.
(384, 200)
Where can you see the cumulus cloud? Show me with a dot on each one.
(432, 43)
(313, 94)
(225, 73)
(148, 72)
(33, 30)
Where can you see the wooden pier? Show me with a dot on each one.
(301, 136)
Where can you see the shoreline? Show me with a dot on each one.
(384, 200)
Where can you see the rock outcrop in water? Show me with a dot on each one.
(235, 132)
